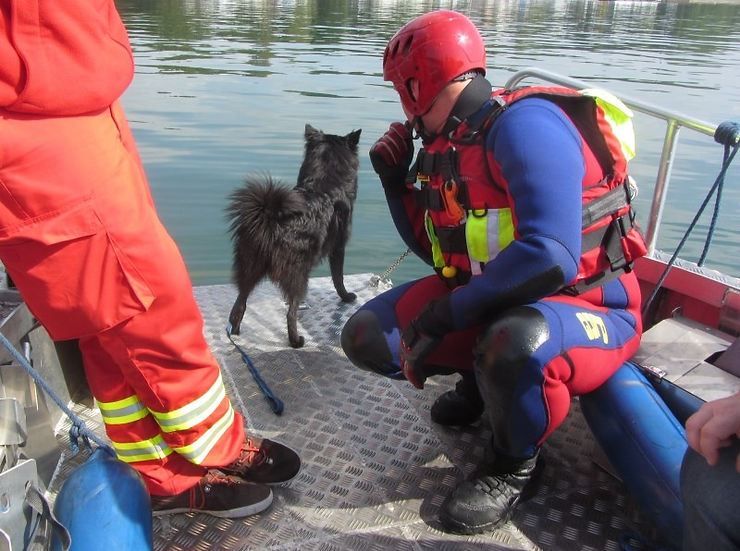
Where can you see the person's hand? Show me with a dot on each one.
(713, 427)
(415, 348)
(391, 155)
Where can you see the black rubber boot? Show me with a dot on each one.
(461, 406)
(486, 501)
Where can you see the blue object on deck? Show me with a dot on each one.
(644, 441)
(105, 505)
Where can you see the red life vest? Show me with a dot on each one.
(462, 189)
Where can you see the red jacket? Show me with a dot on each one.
(62, 57)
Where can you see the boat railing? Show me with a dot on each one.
(674, 122)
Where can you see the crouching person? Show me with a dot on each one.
(519, 201)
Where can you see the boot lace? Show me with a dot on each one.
(251, 456)
(197, 497)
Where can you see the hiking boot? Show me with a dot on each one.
(461, 406)
(487, 501)
(264, 461)
(218, 495)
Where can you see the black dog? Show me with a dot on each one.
(282, 233)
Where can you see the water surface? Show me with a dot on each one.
(224, 88)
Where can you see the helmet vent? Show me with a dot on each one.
(407, 45)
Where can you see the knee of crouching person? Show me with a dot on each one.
(365, 344)
(510, 341)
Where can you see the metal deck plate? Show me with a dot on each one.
(375, 469)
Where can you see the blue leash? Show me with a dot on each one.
(276, 404)
(78, 429)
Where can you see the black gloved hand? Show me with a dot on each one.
(436, 318)
(391, 156)
(422, 336)
(415, 348)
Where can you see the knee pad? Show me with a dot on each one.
(366, 346)
(510, 342)
(502, 355)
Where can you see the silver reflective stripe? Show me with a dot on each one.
(143, 450)
(198, 450)
(122, 411)
(195, 412)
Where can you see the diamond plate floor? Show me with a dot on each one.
(375, 469)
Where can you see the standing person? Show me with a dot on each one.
(519, 202)
(710, 477)
(81, 240)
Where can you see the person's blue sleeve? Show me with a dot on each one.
(540, 155)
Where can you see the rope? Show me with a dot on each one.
(78, 429)
(715, 214)
(727, 134)
(276, 404)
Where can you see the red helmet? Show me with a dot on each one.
(434, 49)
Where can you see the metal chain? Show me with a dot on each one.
(376, 280)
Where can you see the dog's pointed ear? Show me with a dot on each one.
(310, 131)
(353, 138)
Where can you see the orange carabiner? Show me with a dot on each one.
(449, 197)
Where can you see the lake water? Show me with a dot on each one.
(224, 88)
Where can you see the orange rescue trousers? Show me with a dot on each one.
(81, 239)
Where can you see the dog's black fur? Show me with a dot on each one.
(282, 233)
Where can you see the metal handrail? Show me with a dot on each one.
(674, 122)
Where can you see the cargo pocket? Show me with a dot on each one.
(71, 275)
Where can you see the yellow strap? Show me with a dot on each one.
(437, 257)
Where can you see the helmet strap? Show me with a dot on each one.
(418, 125)
(473, 96)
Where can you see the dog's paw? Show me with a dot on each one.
(349, 297)
(297, 343)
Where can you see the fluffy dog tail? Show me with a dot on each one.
(258, 209)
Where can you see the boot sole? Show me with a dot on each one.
(238, 512)
(452, 525)
(258, 480)
(529, 491)
(465, 421)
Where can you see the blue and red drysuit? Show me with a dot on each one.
(516, 320)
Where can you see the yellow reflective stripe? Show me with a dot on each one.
(505, 229)
(193, 413)
(436, 250)
(198, 450)
(143, 450)
(619, 117)
(488, 232)
(120, 412)
(476, 235)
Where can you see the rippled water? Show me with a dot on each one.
(224, 88)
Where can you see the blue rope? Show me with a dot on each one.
(727, 141)
(276, 404)
(728, 134)
(78, 429)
